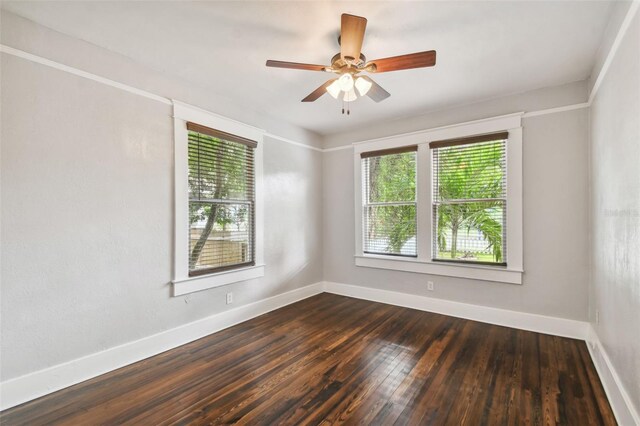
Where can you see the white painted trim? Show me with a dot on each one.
(472, 272)
(182, 283)
(337, 148)
(289, 141)
(359, 201)
(186, 112)
(34, 385)
(420, 132)
(180, 201)
(515, 209)
(94, 77)
(47, 62)
(25, 388)
(423, 198)
(43, 61)
(520, 320)
(617, 395)
(631, 13)
(556, 110)
(458, 130)
(423, 263)
(621, 403)
(204, 282)
(633, 9)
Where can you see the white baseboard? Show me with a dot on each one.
(620, 401)
(30, 386)
(521, 320)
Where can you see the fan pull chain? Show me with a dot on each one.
(348, 107)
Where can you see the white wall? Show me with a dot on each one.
(87, 213)
(535, 100)
(615, 212)
(86, 182)
(555, 210)
(617, 15)
(28, 36)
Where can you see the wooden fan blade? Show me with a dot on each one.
(351, 36)
(376, 92)
(404, 62)
(318, 92)
(295, 66)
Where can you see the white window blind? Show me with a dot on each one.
(470, 199)
(389, 201)
(221, 201)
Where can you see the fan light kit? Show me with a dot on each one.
(350, 62)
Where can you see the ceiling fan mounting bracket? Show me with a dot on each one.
(338, 64)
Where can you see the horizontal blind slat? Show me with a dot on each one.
(389, 194)
(221, 202)
(469, 140)
(469, 199)
(203, 130)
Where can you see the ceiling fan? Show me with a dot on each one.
(350, 63)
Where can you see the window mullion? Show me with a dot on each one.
(514, 195)
(423, 201)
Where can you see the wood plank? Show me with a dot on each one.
(330, 360)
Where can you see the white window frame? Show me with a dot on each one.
(182, 282)
(424, 264)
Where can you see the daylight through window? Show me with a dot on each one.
(389, 210)
(470, 199)
(221, 201)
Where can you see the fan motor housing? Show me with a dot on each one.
(337, 62)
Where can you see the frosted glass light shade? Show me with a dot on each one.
(363, 85)
(350, 95)
(346, 82)
(334, 89)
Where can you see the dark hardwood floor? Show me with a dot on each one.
(332, 359)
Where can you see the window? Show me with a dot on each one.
(219, 219)
(389, 179)
(444, 201)
(469, 199)
(221, 200)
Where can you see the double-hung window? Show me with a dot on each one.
(469, 199)
(444, 201)
(218, 200)
(389, 194)
(221, 201)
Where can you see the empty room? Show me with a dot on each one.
(320, 212)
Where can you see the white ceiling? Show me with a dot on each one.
(485, 49)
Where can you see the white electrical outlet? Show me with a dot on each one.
(229, 298)
(430, 285)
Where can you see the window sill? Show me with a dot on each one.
(476, 272)
(204, 282)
